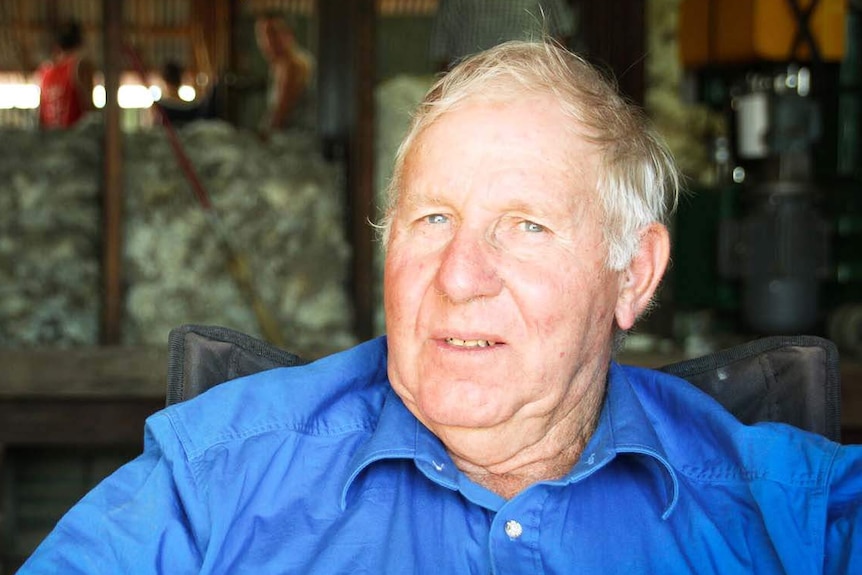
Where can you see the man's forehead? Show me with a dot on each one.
(520, 109)
(529, 126)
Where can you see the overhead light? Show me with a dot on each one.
(26, 96)
(20, 96)
(187, 93)
(128, 96)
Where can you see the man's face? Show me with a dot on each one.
(499, 308)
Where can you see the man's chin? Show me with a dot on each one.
(460, 413)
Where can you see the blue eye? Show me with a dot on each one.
(436, 219)
(532, 227)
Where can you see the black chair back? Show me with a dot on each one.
(789, 379)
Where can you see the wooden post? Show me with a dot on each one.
(112, 184)
(623, 51)
(346, 77)
(362, 165)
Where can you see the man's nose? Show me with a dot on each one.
(469, 268)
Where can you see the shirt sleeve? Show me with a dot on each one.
(138, 520)
(843, 553)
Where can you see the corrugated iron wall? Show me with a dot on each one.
(26, 26)
(406, 7)
(304, 7)
(161, 29)
(183, 30)
(384, 7)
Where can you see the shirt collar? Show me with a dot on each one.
(399, 435)
(624, 429)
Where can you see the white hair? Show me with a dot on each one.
(638, 181)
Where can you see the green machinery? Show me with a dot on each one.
(775, 246)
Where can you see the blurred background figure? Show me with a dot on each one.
(463, 27)
(290, 98)
(66, 81)
(178, 110)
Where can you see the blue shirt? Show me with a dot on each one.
(321, 469)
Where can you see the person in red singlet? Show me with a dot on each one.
(66, 82)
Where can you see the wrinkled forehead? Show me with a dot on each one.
(524, 143)
(565, 134)
(501, 92)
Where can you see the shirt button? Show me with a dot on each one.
(513, 529)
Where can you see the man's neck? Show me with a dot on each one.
(509, 484)
(551, 457)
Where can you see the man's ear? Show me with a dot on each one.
(643, 275)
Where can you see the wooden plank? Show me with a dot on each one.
(79, 422)
(86, 372)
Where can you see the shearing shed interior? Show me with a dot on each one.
(124, 226)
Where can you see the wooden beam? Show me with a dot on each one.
(87, 372)
(75, 422)
(623, 52)
(158, 30)
(112, 199)
(345, 78)
(362, 168)
(336, 76)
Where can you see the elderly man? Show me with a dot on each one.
(491, 432)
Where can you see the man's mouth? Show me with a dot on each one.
(454, 341)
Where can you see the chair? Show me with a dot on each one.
(789, 379)
(202, 356)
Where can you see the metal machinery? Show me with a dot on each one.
(775, 243)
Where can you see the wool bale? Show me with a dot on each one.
(277, 204)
